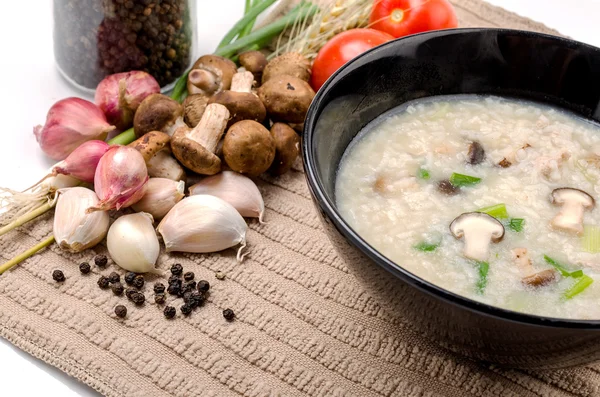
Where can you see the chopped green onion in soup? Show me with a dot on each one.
(498, 211)
(461, 180)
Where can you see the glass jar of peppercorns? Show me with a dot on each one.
(96, 38)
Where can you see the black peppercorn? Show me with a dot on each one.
(129, 277)
(186, 296)
(189, 276)
(120, 311)
(174, 288)
(228, 314)
(159, 288)
(129, 292)
(117, 288)
(138, 282)
(203, 286)
(114, 277)
(58, 276)
(159, 299)
(186, 309)
(190, 285)
(176, 269)
(138, 298)
(100, 260)
(197, 299)
(170, 312)
(103, 282)
(84, 267)
(174, 279)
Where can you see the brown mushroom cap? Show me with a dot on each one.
(193, 155)
(157, 112)
(195, 148)
(562, 195)
(241, 106)
(150, 144)
(193, 109)
(286, 98)
(254, 62)
(290, 64)
(287, 147)
(248, 148)
(210, 74)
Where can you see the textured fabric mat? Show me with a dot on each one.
(304, 326)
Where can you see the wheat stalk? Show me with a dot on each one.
(332, 18)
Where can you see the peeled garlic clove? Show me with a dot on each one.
(74, 229)
(132, 243)
(238, 190)
(161, 195)
(203, 223)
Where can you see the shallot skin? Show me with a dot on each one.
(69, 123)
(120, 178)
(120, 94)
(83, 161)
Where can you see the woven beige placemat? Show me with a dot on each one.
(304, 326)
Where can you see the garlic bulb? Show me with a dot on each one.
(203, 223)
(74, 229)
(237, 189)
(133, 244)
(161, 195)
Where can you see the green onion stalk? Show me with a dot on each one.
(240, 37)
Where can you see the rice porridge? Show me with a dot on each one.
(490, 198)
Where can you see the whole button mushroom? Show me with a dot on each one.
(574, 203)
(240, 101)
(157, 112)
(289, 64)
(154, 148)
(193, 109)
(478, 230)
(287, 147)
(195, 148)
(254, 62)
(210, 74)
(248, 148)
(286, 98)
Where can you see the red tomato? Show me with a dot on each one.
(342, 48)
(403, 17)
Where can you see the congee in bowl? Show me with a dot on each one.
(490, 198)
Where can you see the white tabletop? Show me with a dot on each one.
(32, 84)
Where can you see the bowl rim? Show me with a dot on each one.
(329, 208)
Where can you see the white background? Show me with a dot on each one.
(31, 85)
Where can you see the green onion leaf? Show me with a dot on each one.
(576, 273)
(423, 174)
(497, 211)
(484, 268)
(591, 238)
(516, 224)
(426, 247)
(582, 283)
(563, 270)
(460, 180)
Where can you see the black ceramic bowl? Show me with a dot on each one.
(548, 69)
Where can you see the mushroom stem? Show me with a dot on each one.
(242, 82)
(477, 246)
(204, 80)
(570, 217)
(211, 127)
(163, 165)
